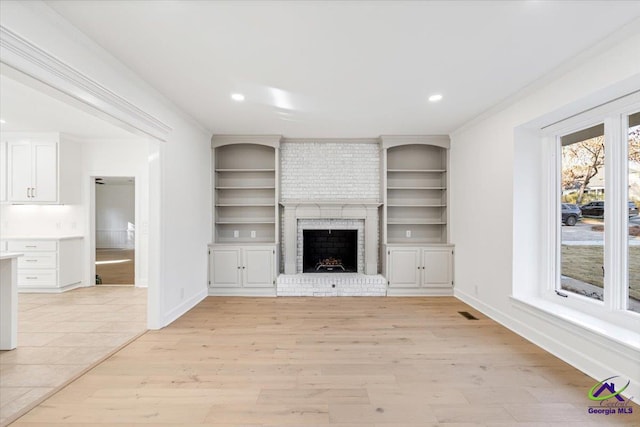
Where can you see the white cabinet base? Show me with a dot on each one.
(242, 292)
(419, 270)
(244, 270)
(49, 265)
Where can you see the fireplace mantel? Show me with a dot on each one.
(366, 210)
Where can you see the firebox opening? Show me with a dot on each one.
(330, 251)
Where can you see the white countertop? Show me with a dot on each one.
(9, 255)
(40, 237)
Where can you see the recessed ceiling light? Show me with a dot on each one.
(2, 121)
(237, 97)
(435, 98)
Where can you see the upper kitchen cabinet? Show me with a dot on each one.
(41, 169)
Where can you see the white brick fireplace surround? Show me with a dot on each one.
(330, 185)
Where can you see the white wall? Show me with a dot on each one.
(487, 157)
(121, 158)
(179, 169)
(41, 220)
(115, 215)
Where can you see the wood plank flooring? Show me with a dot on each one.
(121, 272)
(346, 362)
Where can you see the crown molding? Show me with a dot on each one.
(24, 56)
(270, 140)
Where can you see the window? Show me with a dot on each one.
(582, 194)
(633, 201)
(594, 194)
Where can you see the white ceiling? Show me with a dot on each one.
(343, 69)
(25, 109)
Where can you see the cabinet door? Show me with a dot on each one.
(404, 267)
(19, 171)
(437, 267)
(225, 267)
(45, 171)
(257, 269)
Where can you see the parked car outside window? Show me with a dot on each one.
(596, 209)
(571, 214)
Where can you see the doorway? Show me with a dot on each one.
(115, 230)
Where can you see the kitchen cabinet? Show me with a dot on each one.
(48, 264)
(41, 169)
(242, 270)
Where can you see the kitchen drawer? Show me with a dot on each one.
(31, 245)
(37, 278)
(37, 260)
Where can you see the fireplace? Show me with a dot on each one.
(330, 251)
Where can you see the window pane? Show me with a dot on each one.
(582, 212)
(634, 220)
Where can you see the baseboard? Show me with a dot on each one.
(181, 309)
(47, 290)
(420, 292)
(242, 292)
(564, 351)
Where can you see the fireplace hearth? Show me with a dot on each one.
(330, 251)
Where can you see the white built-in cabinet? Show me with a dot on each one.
(39, 168)
(48, 265)
(243, 267)
(428, 268)
(417, 256)
(243, 256)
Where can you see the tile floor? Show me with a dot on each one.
(61, 335)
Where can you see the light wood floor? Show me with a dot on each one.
(61, 335)
(328, 362)
(120, 273)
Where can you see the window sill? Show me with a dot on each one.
(553, 312)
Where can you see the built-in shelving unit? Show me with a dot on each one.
(245, 193)
(417, 254)
(416, 199)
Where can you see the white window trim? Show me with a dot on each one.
(613, 308)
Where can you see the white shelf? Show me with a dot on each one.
(416, 170)
(414, 241)
(245, 197)
(407, 205)
(416, 188)
(243, 241)
(245, 188)
(244, 205)
(416, 202)
(245, 170)
(246, 221)
(416, 221)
